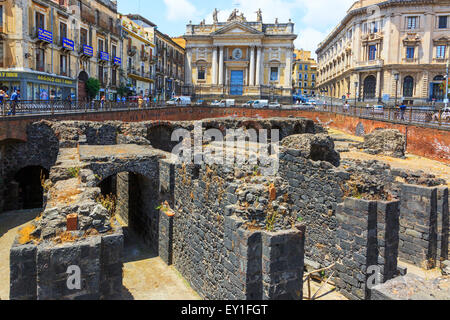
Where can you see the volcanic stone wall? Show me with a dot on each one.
(418, 225)
(41, 271)
(367, 237)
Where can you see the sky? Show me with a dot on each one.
(314, 19)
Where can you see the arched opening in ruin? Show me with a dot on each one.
(135, 200)
(160, 138)
(27, 187)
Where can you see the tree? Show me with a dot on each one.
(92, 87)
(123, 91)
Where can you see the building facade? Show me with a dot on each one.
(170, 67)
(388, 51)
(139, 36)
(240, 59)
(304, 73)
(49, 48)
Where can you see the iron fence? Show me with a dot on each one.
(424, 115)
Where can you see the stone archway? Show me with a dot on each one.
(27, 187)
(82, 78)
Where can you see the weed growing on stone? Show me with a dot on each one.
(45, 184)
(109, 202)
(74, 172)
(271, 218)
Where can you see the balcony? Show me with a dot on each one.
(145, 56)
(410, 60)
(377, 63)
(132, 51)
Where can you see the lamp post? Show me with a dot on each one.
(396, 77)
(356, 91)
(446, 84)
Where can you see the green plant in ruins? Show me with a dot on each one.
(109, 202)
(271, 218)
(74, 172)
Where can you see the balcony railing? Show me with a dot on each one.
(370, 63)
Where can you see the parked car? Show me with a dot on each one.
(200, 103)
(444, 115)
(226, 103)
(378, 109)
(180, 101)
(248, 104)
(258, 104)
(215, 103)
(274, 105)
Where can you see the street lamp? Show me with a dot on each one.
(446, 84)
(396, 77)
(356, 91)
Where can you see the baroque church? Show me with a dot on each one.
(240, 59)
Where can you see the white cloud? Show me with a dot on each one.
(180, 10)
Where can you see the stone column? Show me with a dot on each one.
(258, 67)
(214, 66)
(288, 69)
(378, 87)
(252, 66)
(221, 66)
(188, 70)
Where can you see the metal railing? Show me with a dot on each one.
(408, 116)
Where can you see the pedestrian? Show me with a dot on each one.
(346, 106)
(402, 112)
(102, 102)
(140, 101)
(2, 98)
(15, 98)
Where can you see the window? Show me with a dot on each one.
(40, 23)
(63, 65)
(306, 76)
(306, 67)
(273, 74)
(40, 59)
(1, 16)
(443, 22)
(412, 23)
(83, 37)
(100, 45)
(313, 77)
(440, 52)
(300, 67)
(1, 55)
(62, 30)
(410, 53)
(306, 84)
(201, 73)
(372, 52)
(114, 50)
(114, 77)
(300, 76)
(100, 74)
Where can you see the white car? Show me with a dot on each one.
(248, 104)
(259, 104)
(274, 105)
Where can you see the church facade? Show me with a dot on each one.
(239, 59)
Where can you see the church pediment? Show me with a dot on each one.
(236, 28)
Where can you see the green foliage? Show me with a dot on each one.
(74, 172)
(123, 91)
(300, 219)
(92, 87)
(271, 218)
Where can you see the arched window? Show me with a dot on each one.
(408, 86)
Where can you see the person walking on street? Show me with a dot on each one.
(140, 101)
(102, 102)
(3, 97)
(402, 112)
(15, 97)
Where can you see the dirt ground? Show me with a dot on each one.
(10, 223)
(412, 162)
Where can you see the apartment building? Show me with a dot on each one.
(170, 65)
(388, 50)
(139, 37)
(304, 73)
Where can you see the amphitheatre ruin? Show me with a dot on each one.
(339, 211)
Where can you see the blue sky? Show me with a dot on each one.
(313, 19)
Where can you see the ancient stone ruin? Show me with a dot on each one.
(232, 231)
